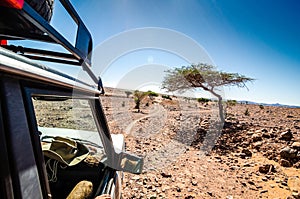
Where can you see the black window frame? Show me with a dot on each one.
(6, 187)
(23, 180)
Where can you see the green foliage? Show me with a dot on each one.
(166, 97)
(201, 76)
(247, 112)
(151, 94)
(138, 97)
(231, 102)
(203, 100)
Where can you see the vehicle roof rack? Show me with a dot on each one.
(79, 54)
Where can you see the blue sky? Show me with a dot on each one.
(259, 39)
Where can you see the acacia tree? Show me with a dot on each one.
(203, 76)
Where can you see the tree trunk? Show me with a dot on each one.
(221, 109)
(137, 105)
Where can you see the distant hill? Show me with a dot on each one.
(265, 104)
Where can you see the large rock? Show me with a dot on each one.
(288, 153)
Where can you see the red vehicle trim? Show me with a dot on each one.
(18, 4)
(3, 42)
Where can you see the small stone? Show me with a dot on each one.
(277, 180)
(166, 175)
(266, 168)
(297, 165)
(242, 155)
(210, 193)
(296, 195)
(264, 191)
(229, 197)
(257, 145)
(285, 163)
(246, 165)
(234, 168)
(296, 145)
(272, 186)
(264, 179)
(194, 183)
(247, 152)
(287, 135)
(256, 137)
(189, 197)
(259, 187)
(251, 182)
(136, 177)
(284, 184)
(266, 135)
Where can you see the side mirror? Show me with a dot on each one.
(130, 163)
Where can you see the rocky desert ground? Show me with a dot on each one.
(255, 154)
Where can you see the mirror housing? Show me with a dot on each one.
(128, 163)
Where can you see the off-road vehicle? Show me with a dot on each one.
(53, 131)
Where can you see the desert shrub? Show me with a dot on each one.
(231, 102)
(151, 94)
(203, 100)
(261, 106)
(166, 97)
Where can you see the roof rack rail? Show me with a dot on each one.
(80, 53)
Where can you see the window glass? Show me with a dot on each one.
(68, 118)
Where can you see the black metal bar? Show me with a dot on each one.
(25, 51)
(84, 38)
(17, 36)
(41, 58)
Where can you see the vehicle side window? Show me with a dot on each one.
(64, 113)
(71, 144)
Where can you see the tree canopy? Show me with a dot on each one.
(202, 76)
